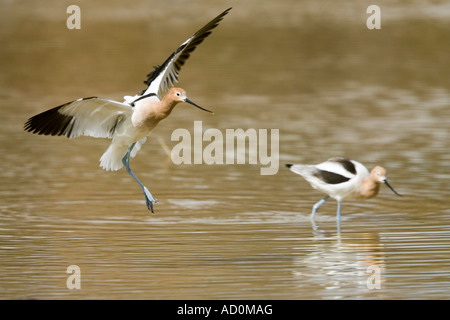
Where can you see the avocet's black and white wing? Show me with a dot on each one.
(94, 117)
(331, 172)
(163, 77)
(335, 170)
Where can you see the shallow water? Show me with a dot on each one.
(332, 88)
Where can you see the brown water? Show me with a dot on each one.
(315, 72)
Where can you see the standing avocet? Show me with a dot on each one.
(341, 178)
(127, 123)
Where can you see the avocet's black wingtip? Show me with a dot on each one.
(176, 60)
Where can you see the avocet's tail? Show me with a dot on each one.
(112, 158)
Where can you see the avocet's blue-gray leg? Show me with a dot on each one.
(338, 217)
(316, 206)
(338, 214)
(149, 198)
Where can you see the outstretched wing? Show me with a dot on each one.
(163, 77)
(94, 117)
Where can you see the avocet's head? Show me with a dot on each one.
(379, 174)
(179, 95)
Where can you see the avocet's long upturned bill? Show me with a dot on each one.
(341, 178)
(127, 123)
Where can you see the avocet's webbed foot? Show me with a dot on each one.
(149, 199)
